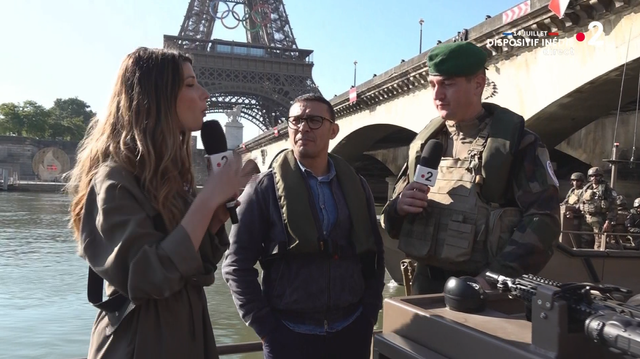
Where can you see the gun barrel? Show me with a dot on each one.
(493, 277)
(615, 331)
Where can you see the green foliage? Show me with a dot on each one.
(67, 119)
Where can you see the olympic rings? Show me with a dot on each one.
(261, 15)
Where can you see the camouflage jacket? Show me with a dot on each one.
(633, 221)
(535, 191)
(599, 200)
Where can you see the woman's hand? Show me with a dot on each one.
(224, 184)
(208, 210)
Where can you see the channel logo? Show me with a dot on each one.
(593, 41)
(529, 38)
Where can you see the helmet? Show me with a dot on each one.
(594, 171)
(636, 203)
(621, 201)
(464, 294)
(577, 176)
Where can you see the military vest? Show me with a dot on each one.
(619, 226)
(296, 205)
(594, 199)
(491, 155)
(464, 226)
(574, 197)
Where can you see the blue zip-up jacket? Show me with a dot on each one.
(314, 289)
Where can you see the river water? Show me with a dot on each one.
(44, 312)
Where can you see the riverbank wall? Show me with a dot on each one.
(48, 187)
(41, 164)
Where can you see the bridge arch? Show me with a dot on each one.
(374, 151)
(353, 141)
(593, 100)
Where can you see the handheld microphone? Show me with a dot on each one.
(215, 146)
(427, 169)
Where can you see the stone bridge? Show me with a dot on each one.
(560, 87)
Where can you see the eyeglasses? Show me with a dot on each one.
(314, 122)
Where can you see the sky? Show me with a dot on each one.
(53, 49)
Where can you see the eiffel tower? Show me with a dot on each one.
(262, 75)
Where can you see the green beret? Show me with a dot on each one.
(456, 59)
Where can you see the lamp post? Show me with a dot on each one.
(355, 63)
(421, 22)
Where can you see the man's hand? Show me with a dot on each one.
(606, 227)
(413, 199)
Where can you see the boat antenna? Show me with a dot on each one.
(614, 149)
(624, 71)
(635, 126)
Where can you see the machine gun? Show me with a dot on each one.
(576, 307)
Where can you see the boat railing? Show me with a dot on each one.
(622, 240)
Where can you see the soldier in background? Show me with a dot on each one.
(619, 225)
(598, 203)
(633, 223)
(572, 210)
(573, 196)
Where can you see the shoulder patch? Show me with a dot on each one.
(551, 174)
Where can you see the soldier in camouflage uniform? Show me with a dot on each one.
(598, 203)
(619, 225)
(495, 203)
(633, 223)
(577, 181)
(572, 210)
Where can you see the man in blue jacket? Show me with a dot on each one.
(310, 222)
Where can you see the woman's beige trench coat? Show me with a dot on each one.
(162, 274)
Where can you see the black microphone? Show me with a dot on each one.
(215, 146)
(427, 169)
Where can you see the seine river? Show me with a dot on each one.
(44, 312)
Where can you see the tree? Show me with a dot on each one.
(70, 129)
(67, 119)
(36, 119)
(73, 108)
(11, 119)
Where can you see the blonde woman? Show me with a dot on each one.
(136, 217)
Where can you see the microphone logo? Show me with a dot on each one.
(427, 170)
(223, 161)
(427, 176)
(216, 161)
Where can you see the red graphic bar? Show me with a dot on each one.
(553, 34)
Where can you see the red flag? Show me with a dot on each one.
(558, 7)
(275, 131)
(353, 95)
(243, 146)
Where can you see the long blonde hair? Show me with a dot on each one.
(141, 132)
